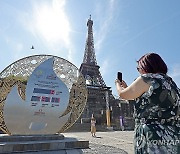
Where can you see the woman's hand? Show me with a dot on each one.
(136, 89)
(122, 84)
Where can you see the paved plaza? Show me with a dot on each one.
(111, 142)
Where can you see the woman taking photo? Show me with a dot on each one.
(156, 108)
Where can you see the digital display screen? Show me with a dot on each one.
(43, 91)
(35, 98)
(45, 99)
(55, 100)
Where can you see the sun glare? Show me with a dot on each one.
(52, 23)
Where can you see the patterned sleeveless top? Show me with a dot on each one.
(161, 103)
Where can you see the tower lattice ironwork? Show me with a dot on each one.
(89, 67)
(97, 89)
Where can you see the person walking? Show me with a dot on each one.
(156, 107)
(93, 127)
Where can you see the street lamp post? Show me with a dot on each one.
(107, 110)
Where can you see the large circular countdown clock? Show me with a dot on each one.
(41, 94)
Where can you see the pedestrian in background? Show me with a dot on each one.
(93, 127)
(157, 107)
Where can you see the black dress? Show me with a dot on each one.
(157, 117)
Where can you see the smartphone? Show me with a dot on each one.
(119, 76)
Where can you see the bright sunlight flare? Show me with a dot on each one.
(52, 23)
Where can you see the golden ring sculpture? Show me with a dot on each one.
(41, 94)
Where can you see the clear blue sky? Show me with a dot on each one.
(124, 30)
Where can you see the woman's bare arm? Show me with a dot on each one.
(136, 89)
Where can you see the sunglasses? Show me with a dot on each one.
(138, 68)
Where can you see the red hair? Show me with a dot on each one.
(152, 63)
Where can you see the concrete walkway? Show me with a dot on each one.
(112, 142)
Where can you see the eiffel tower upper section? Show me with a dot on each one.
(89, 67)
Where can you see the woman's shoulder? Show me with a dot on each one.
(154, 75)
(157, 79)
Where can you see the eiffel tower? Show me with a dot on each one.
(99, 94)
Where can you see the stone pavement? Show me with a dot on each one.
(41, 144)
(111, 142)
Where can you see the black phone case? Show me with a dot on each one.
(119, 76)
